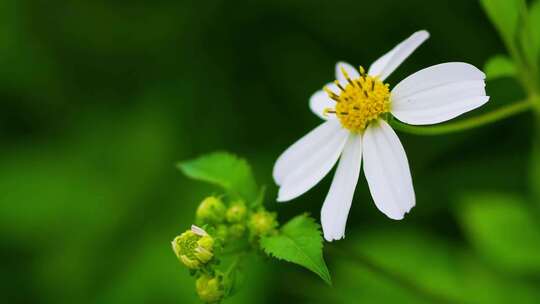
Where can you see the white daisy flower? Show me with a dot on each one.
(355, 109)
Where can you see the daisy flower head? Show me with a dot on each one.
(355, 109)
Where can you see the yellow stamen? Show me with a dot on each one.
(327, 111)
(360, 101)
(362, 71)
(344, 73)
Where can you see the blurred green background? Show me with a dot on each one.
(101, 98)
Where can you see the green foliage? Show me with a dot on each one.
(503, 229)
(534, 171)
(499, 66)
(225, 170)
(416, 266)
(518, 25)
(299, 241)
(534, 25)
(504, 15)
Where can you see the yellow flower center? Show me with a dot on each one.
(360, 101)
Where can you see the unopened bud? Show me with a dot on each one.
(222, 232)
(211, 210)
(236, 212)
(236, 231)
(262, 223)
(211, 289)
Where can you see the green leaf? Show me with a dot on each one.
(299, 241)
(534, 26)
(526, 37)
(415, 265)
(499, 66)
(503, 229)
(225, 170)
(504, 15)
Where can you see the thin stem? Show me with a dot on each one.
(365, 262)
(235, 263)
(465, 124)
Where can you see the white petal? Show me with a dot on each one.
(320, 101)
(437, 75)
(385, 65)
(387, 171)
(338, 201)
(439, 93)
(378, 66)
(198, 230)
(303, 149)
(307, 172)
(353, 73)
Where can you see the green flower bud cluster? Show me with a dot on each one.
(229, 226)
(228, 220)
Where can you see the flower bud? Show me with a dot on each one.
(236, 231)
(236, 212)
(222, 232)
(262, 223)
(193, 247)
(211, 210)
(211, 289)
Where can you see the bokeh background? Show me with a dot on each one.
(99, 99)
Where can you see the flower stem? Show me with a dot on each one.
(235, 263)
(465, 124)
